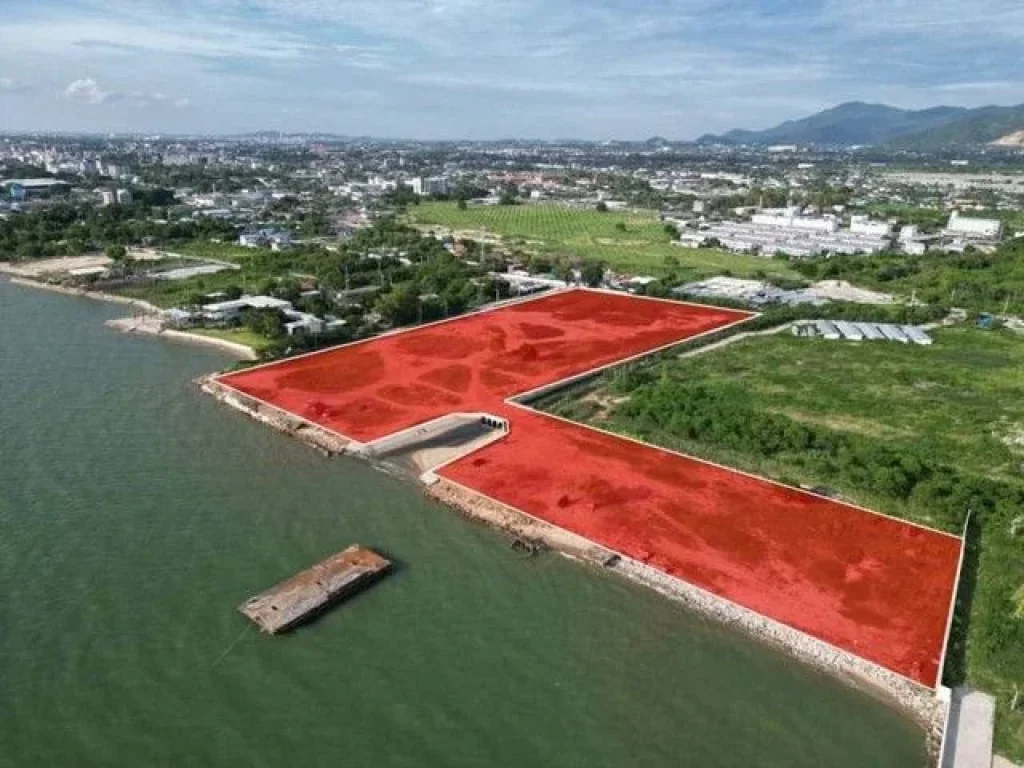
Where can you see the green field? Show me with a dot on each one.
(176, 293)
(236, 336)
(960, 400)
(643, 247)
(257, 265)
(949, 416)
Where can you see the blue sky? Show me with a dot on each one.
(493, 68)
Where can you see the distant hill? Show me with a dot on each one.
(856, 123)
(986, 125)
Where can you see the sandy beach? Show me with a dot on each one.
(148, 323)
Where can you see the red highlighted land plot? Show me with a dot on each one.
(876, 587)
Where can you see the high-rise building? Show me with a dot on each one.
(425, 187)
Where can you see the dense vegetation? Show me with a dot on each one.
(922, 433)
(974, 280)
(977, 127)
(412, 278)
(69, 229)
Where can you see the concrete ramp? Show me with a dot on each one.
(968, 742)
(430, 445)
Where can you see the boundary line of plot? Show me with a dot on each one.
(707, 593)
(517, 401)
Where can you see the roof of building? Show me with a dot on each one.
(253, 302)
(40, 183)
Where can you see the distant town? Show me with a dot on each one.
(190, 225)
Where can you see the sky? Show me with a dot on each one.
(489, 69)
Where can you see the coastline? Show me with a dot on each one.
(922, 705)
(147, 324)
(27, 282)
(927, 708)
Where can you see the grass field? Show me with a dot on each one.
(961, 400)
(176, 293)
(236, 336)
(257, 265)
(643, 247)
(959, 403)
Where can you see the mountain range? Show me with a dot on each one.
(857, 123)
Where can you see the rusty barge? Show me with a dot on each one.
(312, 591)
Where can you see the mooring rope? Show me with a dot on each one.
(231, 647)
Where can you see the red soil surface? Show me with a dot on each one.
(372, 389)
(876, 587)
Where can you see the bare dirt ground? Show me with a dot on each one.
(605, 403)
(840, 290)
(38, 268)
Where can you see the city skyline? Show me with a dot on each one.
(450, 69)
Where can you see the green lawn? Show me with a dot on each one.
(643, 247)
(235, 335)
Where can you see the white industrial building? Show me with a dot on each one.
(973, 229)
(786, 231)
(911, 240)
(223, 311)
(755, 292)
(790, 218)
(863, 225)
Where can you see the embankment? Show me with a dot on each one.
(145, 306)
(327, 443)
(918, 702)
(928, 710)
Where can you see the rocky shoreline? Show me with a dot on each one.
(323, 441)
(918, 702)
(923, 705)
(145, 306)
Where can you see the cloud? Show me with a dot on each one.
(587, 68)
(88, 91)
(155, 33)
